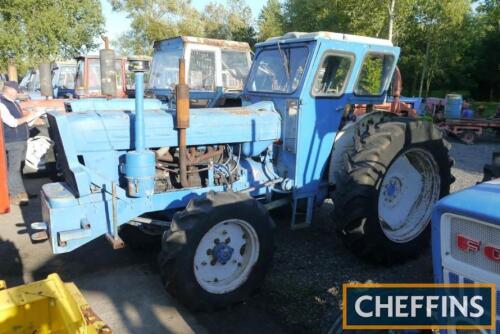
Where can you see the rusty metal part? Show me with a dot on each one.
(223, 44)
(397, 86)
(12, 70)
(115, 241)
(45, 71)
(93, 319)
(193, 160)
(182, 100)
(105, 39)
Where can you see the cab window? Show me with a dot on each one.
(374, 75)
(202, 70)
(332, 75)
(67, 77)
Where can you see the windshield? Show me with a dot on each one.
(235, 68)
(278, 70)
(31, 81)
(165, 69)
(67, 77)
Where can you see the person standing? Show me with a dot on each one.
(16, 134)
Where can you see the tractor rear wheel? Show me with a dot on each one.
(217, 250)
(389, 180)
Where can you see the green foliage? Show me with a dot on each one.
(446, 45)
(271, 20)
(44, 30)
(370, 79)
(159, 19)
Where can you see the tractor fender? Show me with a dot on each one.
(345, 139)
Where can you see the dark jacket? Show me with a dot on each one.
(19, 133)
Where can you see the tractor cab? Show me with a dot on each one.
(215, 70)
(63, 81)
(88, 77)
(316, 81)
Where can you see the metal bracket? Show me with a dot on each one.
(308, 214)
(81, 233)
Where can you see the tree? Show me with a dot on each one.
(155, 20)
(37, 31)
(270, 20)
(232, 21)
(159, 19)
(486, 52)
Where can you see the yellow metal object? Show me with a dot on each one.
(49, 306)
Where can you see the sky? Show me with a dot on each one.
(118, 23)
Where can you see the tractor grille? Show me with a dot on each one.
(451, 277)
(486, 234)
(61, 158)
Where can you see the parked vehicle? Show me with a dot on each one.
(63, 81)
(466, 238)
(216, 70)
(88, 77)
(201, 181)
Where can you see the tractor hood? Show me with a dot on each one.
(111, 130)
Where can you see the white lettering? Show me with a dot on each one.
(478, 307)
(430, 305)
(444, 307)
(379, 305)
(358, 309)
(400, 305)
(415, 305)
(455, 304)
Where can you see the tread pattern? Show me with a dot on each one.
(188, 226)
(375, 145)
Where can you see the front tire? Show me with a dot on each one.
(390, 178)
(217, 251)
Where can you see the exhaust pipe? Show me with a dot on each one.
(46, 88)
(108, 71)
(182, 118)
(139, 163)
(12, 69)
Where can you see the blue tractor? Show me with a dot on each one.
(200, 181)
(466, 236)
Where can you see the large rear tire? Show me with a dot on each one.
(389, 180)
(217, 251)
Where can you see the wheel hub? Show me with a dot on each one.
(226, 255)
(392, 189)
(408, 192)
(222, 252)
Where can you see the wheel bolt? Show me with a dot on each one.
(204, 263)
(216, 241)
(239, 264)
(224, 232)
(209, 251)
(227, 241)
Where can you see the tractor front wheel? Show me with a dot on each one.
(217, 250)
(391, 177)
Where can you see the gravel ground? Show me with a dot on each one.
(302, 291)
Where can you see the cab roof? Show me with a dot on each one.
(223, 44)
(325, 35)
